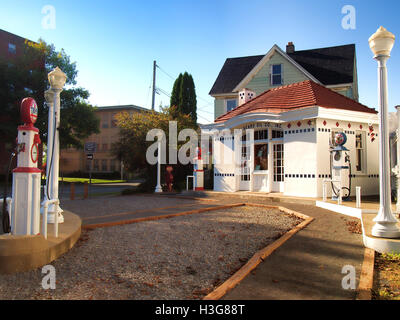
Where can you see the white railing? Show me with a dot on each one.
(9, 206)
(45, 205)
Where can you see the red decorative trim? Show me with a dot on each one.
(289, 125)
(299, 124)
(198, 188)
(27, 169)
(349, 125)
(324, 123)
(309, 122)
(28, 128)
(198, 170)
(337, 124)
(360, 126)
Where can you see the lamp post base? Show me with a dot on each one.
(158, 189)
(385, 225)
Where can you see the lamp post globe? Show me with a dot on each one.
(381, 44)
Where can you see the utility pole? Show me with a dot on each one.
(154, 85)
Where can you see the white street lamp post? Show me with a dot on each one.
(158, 187)
(57, 80)
(396, 169)
(381, 43)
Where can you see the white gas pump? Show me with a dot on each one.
(25, 213)
(198, 171)
(340, 168)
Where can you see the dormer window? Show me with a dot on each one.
(276, 77)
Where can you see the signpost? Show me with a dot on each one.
(90, 149)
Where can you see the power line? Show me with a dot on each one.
(162, 70)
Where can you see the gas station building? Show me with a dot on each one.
(289, 147)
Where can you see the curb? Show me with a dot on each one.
(364, 291)
(152, 218)
(260, 255)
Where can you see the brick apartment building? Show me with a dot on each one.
(11, 48)
(72, 160)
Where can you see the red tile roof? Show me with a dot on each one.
(296, 96)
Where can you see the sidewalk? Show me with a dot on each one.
(309, 265)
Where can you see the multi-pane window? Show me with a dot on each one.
(231, 104)
(113, 120)
(278, 163)
(277, 134)
(360, 150)
(105, 120)
(261, 157)
(244, 167)
(12, 48)
(276, 77)
(261, 135)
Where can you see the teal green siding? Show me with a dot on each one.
(219, 107)
(260, 82)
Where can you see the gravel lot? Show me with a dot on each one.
(179, 258)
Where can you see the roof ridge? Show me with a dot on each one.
(343, 45)
(341, 95)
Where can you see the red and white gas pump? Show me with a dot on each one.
(25, 213)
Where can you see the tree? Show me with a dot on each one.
(183, 96)
(132, 145)
(27, 76)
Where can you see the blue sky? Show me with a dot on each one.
(115, 42)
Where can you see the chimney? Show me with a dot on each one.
(290, 47)
(245, 96)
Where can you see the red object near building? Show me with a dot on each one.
(169, 178)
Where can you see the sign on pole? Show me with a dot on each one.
(90, 147)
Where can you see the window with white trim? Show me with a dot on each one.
(276, 74)
(231, 104)
(360, 151)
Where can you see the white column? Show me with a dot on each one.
(251, 160)
(397, 169)
(385, 222)
(158, 186)
(270, 161)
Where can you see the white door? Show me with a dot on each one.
(278, 168)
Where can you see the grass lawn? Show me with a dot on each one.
(387, 277)
(94, 181)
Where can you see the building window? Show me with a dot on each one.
(103, 165)
(276, 77)
(96, 165)
(231, 104)
(360, 151)
(113, 121)
(277, 134)
(261, 157)
(112, 165)
(12, 48)
(261, 135)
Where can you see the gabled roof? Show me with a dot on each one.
(233, 71)
(332, 65)
(296, 96)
